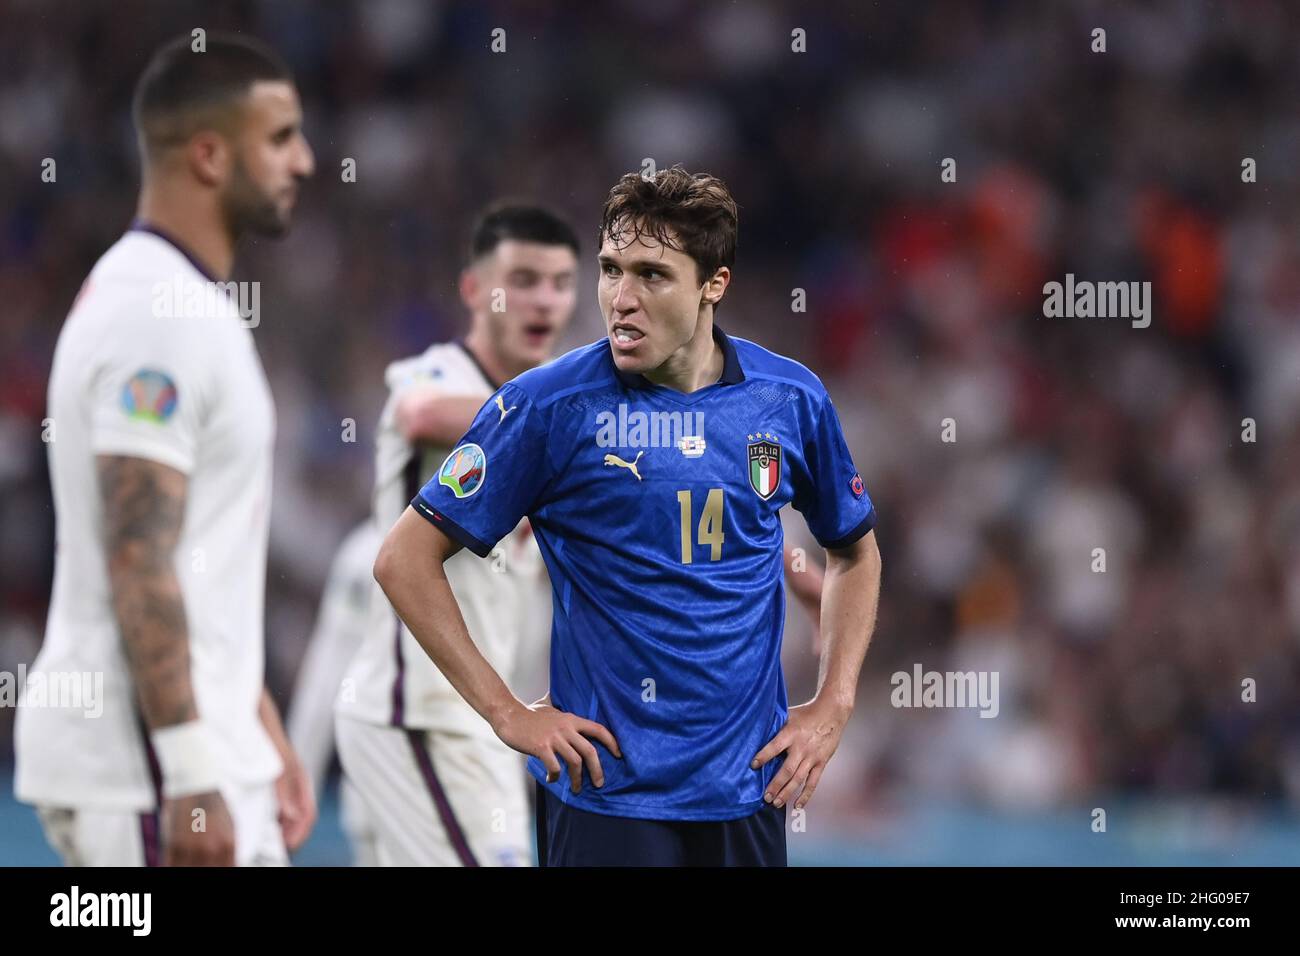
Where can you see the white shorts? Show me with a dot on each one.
(357, 825)
(85, 836)
(438, 799)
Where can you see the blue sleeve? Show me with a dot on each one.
(494, 476)
(829, 492)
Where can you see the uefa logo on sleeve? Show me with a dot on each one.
(464, 470)
(149, 396)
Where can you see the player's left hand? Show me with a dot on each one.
(810, 735)
(293, 792)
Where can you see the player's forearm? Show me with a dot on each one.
(424, 416)
(409, 569)
(850, 596)
(150, 615)
(434, 618)
(143, 507)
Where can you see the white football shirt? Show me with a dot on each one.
(147, 370)
(504, 598)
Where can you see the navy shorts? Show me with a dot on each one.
(567, 836)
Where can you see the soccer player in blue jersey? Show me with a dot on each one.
(653, 465)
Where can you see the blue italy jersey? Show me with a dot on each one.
(657, 515)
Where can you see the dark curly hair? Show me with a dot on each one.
(693, 213)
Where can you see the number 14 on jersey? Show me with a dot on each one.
(710, 528)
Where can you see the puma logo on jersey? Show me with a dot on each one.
(504, 411)
(629, 465)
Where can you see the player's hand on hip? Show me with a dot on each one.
(297, 803)
(194, 838)
(553, 736)
(808, 739)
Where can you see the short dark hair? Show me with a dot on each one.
(182, 90)
(691, 212)
(522, 222)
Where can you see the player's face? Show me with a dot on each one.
(535, 301)
(651, 299)
(271, 157)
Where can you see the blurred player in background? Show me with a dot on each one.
(161, 470)
(441, 789)
(341, 624)
(667, 699)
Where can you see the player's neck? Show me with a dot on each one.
(696, 365)
(196, 224)
(479, 346)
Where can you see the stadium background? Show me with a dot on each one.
(1119, 690)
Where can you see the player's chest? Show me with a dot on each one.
(241, 423)
(683, 472)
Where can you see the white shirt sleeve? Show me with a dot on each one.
(150, 391)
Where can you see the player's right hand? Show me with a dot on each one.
(553, 735)
(198, 839)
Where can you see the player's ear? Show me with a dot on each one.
(716, 286)
(210, 156)
(469, 286)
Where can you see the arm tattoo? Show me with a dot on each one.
(144, 504)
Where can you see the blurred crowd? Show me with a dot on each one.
(923, 303)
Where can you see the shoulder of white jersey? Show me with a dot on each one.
(145, 276)
(445, 364)
(142, 255)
